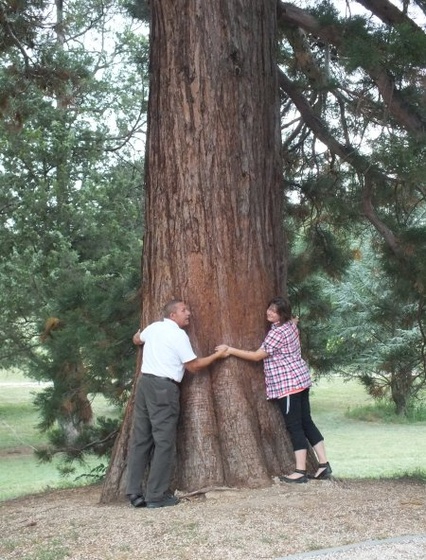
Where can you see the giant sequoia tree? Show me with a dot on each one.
(214, 190)
(213, 227)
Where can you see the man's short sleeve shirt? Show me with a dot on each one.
(166, 349)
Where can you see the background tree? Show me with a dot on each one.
(70, 205)
(375, 337)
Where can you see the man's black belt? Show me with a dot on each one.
(159, 377)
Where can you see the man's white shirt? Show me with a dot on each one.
(166, 349)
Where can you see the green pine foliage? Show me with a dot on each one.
(71, 225)
(376, 335)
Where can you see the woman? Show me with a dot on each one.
(287, 382)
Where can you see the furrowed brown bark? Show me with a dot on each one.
(213, 225)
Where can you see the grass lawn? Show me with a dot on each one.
(356, 449)
(359, 449)
(20, 472)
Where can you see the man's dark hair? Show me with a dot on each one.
(170, 307)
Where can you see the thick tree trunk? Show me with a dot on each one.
(401, 384)
(115, 480)
(213, 227)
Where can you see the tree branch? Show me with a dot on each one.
(407, 115)
(421, 4)
(388, 13)
(370, 214)
(347, 153)
(12, 35)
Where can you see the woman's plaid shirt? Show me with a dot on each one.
(285, 370)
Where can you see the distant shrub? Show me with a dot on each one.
(382, 411)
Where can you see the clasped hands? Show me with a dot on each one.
(223, 349)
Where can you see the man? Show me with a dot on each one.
(167, 353)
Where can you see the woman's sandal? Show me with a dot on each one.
(323, 475)
(298, 480)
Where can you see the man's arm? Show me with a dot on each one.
(251, 355)
(194, 366)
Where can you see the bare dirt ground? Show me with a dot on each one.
(242, 524)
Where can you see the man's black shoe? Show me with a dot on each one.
(137, 500)
(166, 501)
